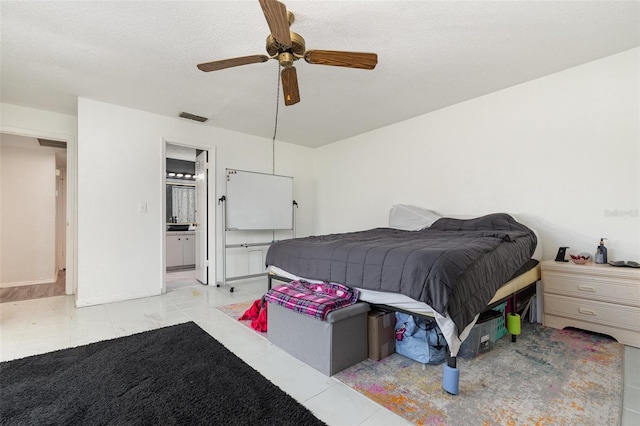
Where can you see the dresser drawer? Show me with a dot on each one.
(613, 290)
(626, 317)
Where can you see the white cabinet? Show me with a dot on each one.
(600, 298)
(181, 249)
(174, 250)
(189, 250)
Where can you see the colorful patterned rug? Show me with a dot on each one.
(548, 377)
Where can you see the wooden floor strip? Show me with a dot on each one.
(36, 291)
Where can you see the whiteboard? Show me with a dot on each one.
(257, 201)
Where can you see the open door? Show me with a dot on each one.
(201, 217)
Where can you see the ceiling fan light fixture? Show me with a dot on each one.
(286, 59)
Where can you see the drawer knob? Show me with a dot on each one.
(587, 288)
(586, 311)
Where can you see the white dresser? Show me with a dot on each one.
(600, 298)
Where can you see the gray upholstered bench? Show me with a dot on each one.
(329, 346)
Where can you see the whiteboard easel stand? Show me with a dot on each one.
(226, 246)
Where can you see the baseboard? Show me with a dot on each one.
(32, 282)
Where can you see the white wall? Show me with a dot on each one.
(23, 120)
(28, 213)
(120, 164)
(561, 152)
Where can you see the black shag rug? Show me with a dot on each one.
(177, 375)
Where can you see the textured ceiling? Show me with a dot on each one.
(431, 54)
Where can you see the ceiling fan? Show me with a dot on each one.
(287, 47)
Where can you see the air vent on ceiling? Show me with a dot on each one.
(193, 117)
(52, 144)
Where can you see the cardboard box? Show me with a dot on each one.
(381, 334)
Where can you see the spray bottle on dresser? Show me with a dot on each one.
(601, 252)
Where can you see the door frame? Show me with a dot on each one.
(211, 212)
(71, 243)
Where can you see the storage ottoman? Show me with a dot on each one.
(329, 346)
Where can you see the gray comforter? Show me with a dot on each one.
(455, 266)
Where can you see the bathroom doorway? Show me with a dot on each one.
(188, 184)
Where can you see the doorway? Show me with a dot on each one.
(189, 242)
(35, 179)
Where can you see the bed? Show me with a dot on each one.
(452, 270)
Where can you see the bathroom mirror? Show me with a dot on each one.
(181, 203)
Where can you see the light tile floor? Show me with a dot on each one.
(631, 397)
(42, 325)
(36, 326)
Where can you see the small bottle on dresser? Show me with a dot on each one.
(601, 252)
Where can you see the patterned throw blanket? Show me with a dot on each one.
(316, 300)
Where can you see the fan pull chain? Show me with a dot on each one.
(273, 140)
(275, 127)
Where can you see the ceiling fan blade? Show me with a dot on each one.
(234, 62)
(276, 16)
(290, 86)
(367, 61)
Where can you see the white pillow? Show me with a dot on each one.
(411, 218)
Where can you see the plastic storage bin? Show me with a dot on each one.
(502, 327)
(483, 335)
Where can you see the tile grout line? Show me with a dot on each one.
(21, 340)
